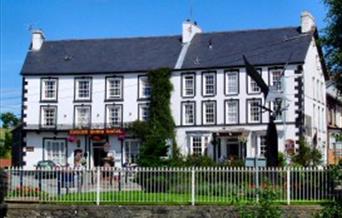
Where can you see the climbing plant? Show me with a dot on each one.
(160, 134)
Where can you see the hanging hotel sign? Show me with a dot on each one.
(114, 131)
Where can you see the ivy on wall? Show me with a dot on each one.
(159, 129)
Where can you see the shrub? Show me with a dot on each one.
(3, 185)
(265, 208)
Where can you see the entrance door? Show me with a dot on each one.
(232, 148)
(99, 153)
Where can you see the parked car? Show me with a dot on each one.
(46, 169)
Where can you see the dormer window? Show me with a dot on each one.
(83, 89)
(49, 89)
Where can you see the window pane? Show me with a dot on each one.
(114, 116)
(145, 87)
(196, 145)
(232, 82)
(55, 151)
(49, 117)
(232, 112)
(144, 111)
(83, 117)
(189, 113)
(276, 79)
(277, 108)
(114, 88)
(83, 89)
(209, 86)
(209, 112)
(189, 85)
(262, 147)
(253, 85)
(50, 89)
(254, 111)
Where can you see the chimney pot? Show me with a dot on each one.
(37, 39)
(307, 22)
(190, 29)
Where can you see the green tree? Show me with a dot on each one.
(332, 39)
(9, 120)
(306, 155)
(160, 126)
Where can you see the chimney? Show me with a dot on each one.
(37, 39)
(189, 30)
(307, 22)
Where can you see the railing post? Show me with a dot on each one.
(98, 186)
(257, 182)
(288, 185)
(193, 186)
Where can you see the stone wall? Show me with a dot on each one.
(65, 211)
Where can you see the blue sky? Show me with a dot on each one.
(76, 19)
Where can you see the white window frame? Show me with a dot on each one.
(44, 122)
(276, 82)
(185, 116)
(186, 89)
(45, 89)
(55, 150)
(202, 142)
(253, 88)
(144, 109)
(229, 84)
(110, 120)
(79, 123)
(250, 115)
(114, 92)
(229, 111)
(278, 117)
(205, 105)
(261, 145)
(205, 85)
(130, 156)
(77, 89)
(144, 87)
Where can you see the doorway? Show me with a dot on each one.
(233, 148)
(99, 153)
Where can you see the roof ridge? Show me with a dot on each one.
(251, 30)
(120, 38)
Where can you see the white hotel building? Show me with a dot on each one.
(78, 94)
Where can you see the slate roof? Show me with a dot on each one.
(262, 47)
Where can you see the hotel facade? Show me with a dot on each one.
(81, 94)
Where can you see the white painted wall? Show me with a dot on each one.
(314, 97)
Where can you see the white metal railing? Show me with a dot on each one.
(193, 185)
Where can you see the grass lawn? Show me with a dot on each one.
(145, 198)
